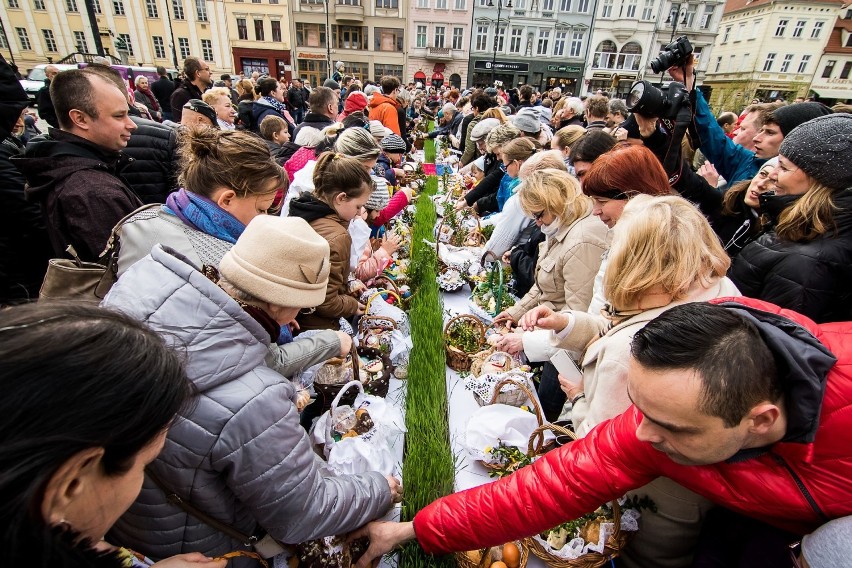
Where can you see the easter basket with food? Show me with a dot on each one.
(371, 367)
(450, 279)
(491, 294)
(501, 387)
(511, 555)
(376, 332)
(492, 361)
(329, 552)
(385, 303)
(459, 229)
(464, 335)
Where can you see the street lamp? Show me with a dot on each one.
(496, 33)
(327, 41)
(675, 22)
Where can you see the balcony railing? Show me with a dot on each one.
(439, 53)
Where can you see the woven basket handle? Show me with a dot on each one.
(536, 406)
(537, 437)
(365, 320)
(379, 293)
(469, 317)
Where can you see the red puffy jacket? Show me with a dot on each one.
(795, 486)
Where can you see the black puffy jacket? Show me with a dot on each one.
(813, 278)
(152, 174)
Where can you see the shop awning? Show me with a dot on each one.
(833, 93)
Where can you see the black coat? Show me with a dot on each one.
(312, 120)
(45, 105)
(152, 174)
(296, 98)
(185, 92)
(163, 89)
(523, 259)
(813, 278)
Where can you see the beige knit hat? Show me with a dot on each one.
(280, 260)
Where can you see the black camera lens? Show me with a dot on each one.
(663, 61)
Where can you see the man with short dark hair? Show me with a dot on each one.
(296, 98)
(198, 79)
(163, 89)
(73, 173)
(383, 105)
(745, 403)
(597, 108)
(235, 96)
(43, 101)
(323, 110)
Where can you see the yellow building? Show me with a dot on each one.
(152, 32)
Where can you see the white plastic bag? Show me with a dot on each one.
(359, 230)
(496, 423)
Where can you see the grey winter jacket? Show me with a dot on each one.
(240, 454)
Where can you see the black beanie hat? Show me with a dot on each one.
(789, 117)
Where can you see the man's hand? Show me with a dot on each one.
(646, 125)
(570, 389)
(345, 343)
(460, 204)
(542, 317)
(191, 560)
(677, 73)
(384, 536)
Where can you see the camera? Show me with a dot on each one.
(673, 54)
(651, 102)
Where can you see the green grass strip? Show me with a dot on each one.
(429, 469)
(429, 150)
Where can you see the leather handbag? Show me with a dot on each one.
(88, 281)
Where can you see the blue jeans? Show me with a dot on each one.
(298, 115)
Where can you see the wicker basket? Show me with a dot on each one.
(533, 400)
(447, 288)
(515, 397)
(465, 561)
(457, 359)
(614, 544)
(366, 323)
(378, 387)
(480, 358)
(326, 391)
(468, 235)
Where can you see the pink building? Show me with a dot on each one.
(439, 41)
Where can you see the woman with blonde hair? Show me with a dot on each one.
(804, 263)
(495, 112)
(664, 253)
(565, 272)
(220, 99)
(564, 139)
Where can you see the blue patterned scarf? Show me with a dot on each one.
(276, 104)
(203, 215)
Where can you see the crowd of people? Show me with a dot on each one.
(700, 277)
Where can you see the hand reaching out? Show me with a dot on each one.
(709, 173)
(542, 317)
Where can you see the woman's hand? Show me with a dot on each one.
(709, 173)
(384, 536)
(569, 388)
(191, 560)
(460, 204)
(504, 316)
(543, 317)
(511, 343)
(396, 489)
(390, 242)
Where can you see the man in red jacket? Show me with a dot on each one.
(742, 402)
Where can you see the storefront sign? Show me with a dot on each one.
(306, 55)
(564, 68)
(501, 66)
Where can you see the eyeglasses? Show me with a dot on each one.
(538, 216)
(795, 551)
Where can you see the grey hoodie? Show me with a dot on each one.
(239, 455)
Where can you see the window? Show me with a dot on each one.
(70, 5)
(24, 39)
(310, 35)
(755, 28)
(559, 40)
(389, 39)
(630, 56)
(500, 37)
(481, 38)
(3, 44)
(458, 38)
(696, 55)
(440, 4)
(177, 7)
(80, 42)
(782, 27)
(159, 47)
(276, 30)
(740, 32)
(349, 37)
(726, 35)
(97, 5)
(361, 71)
(38, 4)
(515, 40)
(421, 36)
(543, 42)
(804, 63)
(439, 36)
(707, 17)
(49, 40)
(384, 69)
(183, 44)
(349, 2)
(201, 10)
(258, 30)
(118, 7)
(273, 1)
(151, 8)
(747, 62)
(607, 9)
(648, 10)
(826, 73)
(847, 67)
(631, 8)
(770, 60)
(242, 30)
(815, 33)
(605, 55)
(565, 5)
(387, 4)
(583, 6)
(423, 4)
(547, 5)
(12, 3)
(207, 49)
(718, 64)
(785, 65)
(799, 29)
(128, 45)
(732, 63)
(460, 5)
(577, 44)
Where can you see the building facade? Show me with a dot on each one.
(831, 82)
(439, 37)
(368, 36)
(151, 32)
(628, 34)
(768, 50)
(543, 43)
